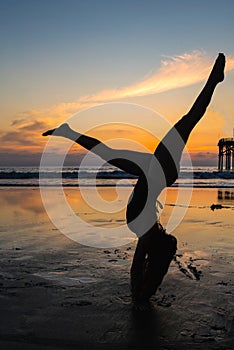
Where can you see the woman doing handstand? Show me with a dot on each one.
(155, 248)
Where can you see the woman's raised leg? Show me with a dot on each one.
(170, 149)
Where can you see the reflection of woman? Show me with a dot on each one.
(155, 248)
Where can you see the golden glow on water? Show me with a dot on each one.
(22, 212)
(91, 213)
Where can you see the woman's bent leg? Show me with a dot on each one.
(128, 161)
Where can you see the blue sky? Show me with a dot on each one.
(54, 51)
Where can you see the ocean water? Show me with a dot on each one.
(207, 177)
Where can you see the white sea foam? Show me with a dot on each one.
(107, 176)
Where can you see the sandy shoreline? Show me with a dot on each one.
(58, 294)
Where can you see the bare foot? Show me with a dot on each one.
(62, 130)
(217, 73)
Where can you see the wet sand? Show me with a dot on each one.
(58, 294)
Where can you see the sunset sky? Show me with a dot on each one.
(59, 57)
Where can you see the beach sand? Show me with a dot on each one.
(59, 294)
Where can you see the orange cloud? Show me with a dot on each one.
(25, 136)
(175, 72)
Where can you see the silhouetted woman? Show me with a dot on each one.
(155, 248)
